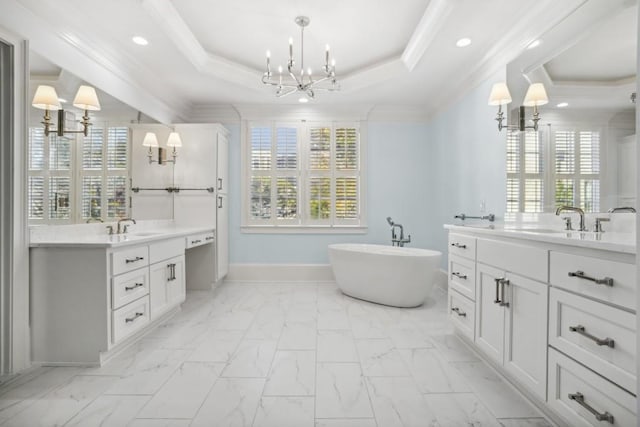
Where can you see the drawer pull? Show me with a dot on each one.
(209, 238)
(131, 319)
(135, 285)
(579, 329)
(172, 272)
(193, 242)
(459, 275)
(458, 245)
(607, 281)
(458, 311)
(136, 259)
(497, 300)
(579, 398)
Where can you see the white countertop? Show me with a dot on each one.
(609, 241)
(104, 240)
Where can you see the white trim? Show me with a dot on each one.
(280, 273)
(441, 280)
(294, 229)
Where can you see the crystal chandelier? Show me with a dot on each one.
(301, 80)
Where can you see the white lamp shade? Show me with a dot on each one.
(46, 98)
(499, 94)
(536, 95)
(86, 99)
(174, 140)
(150, 140)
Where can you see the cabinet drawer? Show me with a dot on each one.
(520, 259)
(199, 239)
(462, 313)
(617, 363)
(462, 276)
(129, 259)
(166, 249)
(589, 390)
(621, 290)
(129, 287)
(461, 245)
(130, 318)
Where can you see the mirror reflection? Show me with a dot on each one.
(583, 152)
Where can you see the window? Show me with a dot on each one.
(572, 177)
(303, 175)
(72, 179)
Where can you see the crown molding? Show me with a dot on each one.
(428, 28)
(318, 112)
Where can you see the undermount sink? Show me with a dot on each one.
(538, 230)
(145, 234)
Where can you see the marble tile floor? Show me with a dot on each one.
(270, 354)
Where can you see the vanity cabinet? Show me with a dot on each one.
(167, 285)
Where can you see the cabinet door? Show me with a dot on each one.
(222, 184)
(159, 300)
(525, 355)
(175, 281)
(196, 161)
(489, 314)
(222, 238)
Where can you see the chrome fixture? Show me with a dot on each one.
(567, 223)
(580, 400)
(490, 217)
(579, 329)
(536, 96)
(395, 240)
(93, 218)
(606, 281)
(151, 140)
(47, 99)
(633, 97)
(598, 226)
(573, 209)
(301, 80)
(123, 229)
(622, 209)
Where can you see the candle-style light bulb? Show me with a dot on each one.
(309, 71)
(268, 62)
(280, 72)
(291, 49)
(326, 57)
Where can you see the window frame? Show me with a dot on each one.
(303, 224)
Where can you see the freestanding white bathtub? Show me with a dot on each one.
(400, 277)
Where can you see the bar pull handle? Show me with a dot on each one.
(458, 245)
(498, 281)
(172, 272)
(503, 282)
(136, 259)
(579, 329)
(193, 242)
(458, 311)
(219, 202)
(459, 275)
(135, 285)
(579, 398)
(219, 183)
(607, 281)
(208, 238)
(131, 319)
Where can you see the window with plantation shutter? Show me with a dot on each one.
(525, 172)
(302, 175)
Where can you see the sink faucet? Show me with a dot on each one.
(395, 241)
(94, 218)
(123, 230)
(622, 209)
(573, 209)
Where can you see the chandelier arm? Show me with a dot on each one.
(289, 92)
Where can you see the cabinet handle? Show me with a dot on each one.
(136, 259)
(497, 300)
(172, 273)
(459, 275)
(136, 285)
(193, 242)
(458, 311)
(208, 238)
(458, 245)
(219, 183)
(579, 329)
(503, 282)
(131, 319)
(607, 281)
(219, 202)
(579, 398)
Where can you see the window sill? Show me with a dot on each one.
(296, 229)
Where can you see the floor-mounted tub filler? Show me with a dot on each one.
(400, 277)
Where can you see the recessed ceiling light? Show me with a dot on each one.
(140, 40)
(534, 44)
(463, 42)
(62, 100)
(303, 100)
(562, 105)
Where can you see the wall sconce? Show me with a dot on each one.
(46, 99)
(536, 96)
(151, 140)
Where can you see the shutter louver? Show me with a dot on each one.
(287, 194)
(347, 198)
(36, 149)
(261, 148)
(346, 149)
(116, 196)
(286, 148)
(319, 198)
(92, 151)
(564, 192)
(513, 152)
(513, 195)
(117, 148)
(320, 148)
(533, 195)
(59, 197)
(91, 197)
(590, 195)
(36, 197)
(565, 152)
(532, 153)
(260, 197)
(589, 153)
(59, 153)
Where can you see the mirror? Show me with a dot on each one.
(73, 178)
(583, 153)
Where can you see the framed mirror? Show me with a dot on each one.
(583, 151)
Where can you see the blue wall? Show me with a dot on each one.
(396, 177)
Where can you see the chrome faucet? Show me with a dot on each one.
(395, 240)
(94, 218)
(123, 230)
(622, 209)
(573, 209)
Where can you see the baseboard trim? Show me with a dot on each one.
(279, 273)
(442, 280)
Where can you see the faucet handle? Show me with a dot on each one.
(110, 229)
(567, 223)
(598, 226)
